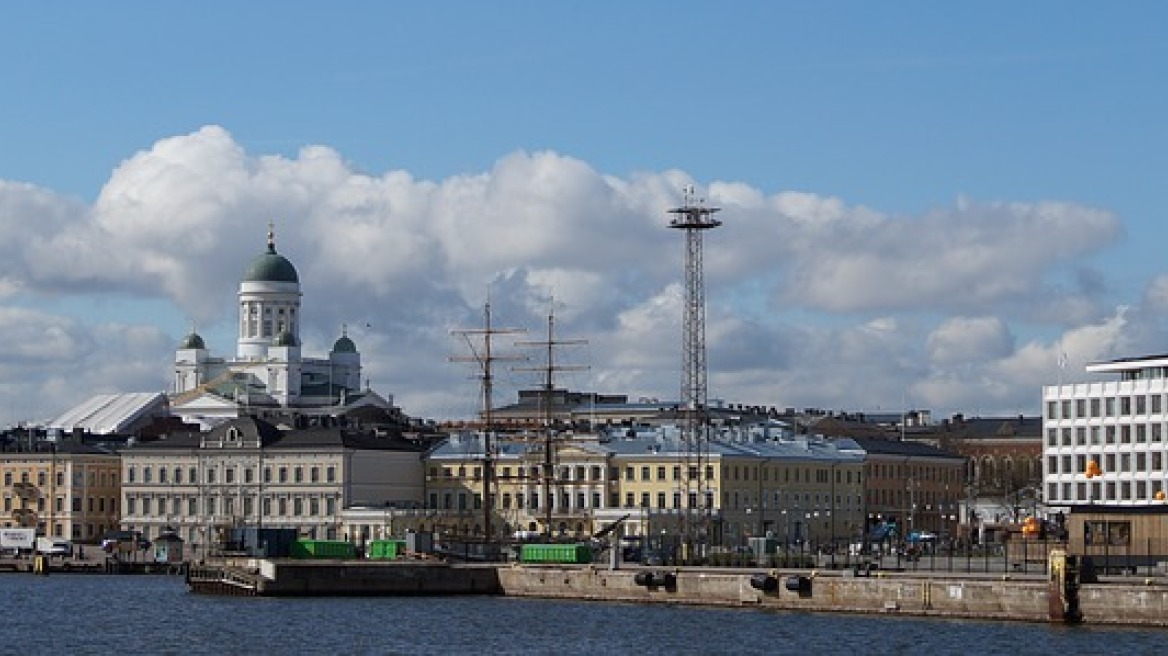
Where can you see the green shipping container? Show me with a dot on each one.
(323, 549)
(556, 553)
(386, 549)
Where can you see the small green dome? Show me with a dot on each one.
(192, 341)
(344, 345)
(285, 338)
(271, 267)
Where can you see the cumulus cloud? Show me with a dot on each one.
(812, 301)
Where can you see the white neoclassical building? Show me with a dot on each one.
(268, 369)
(250, 472)
(1119, 424)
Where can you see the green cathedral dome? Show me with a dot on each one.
(344, 345)
(271, 267)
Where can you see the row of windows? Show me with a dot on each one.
(659, 473)
(96, 504)
(42, 478)
(1096, 491)
(249, 320)
(1138, 404)
(297, 506)
(906, 498)
(1099, 435)
(632, 500)
(175, 475)
(902, 472)
(1120, 463)
(562, 500)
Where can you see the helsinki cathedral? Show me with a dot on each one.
(268, 371)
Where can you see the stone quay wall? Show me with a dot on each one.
(996, 598)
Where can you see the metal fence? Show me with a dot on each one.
(1023, 556)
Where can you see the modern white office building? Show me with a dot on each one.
(1118, 424)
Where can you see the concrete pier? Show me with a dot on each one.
(1140, 602)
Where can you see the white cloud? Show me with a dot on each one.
(813, 302)
(969, 339)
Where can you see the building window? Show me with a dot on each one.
(229, 475)
(645, 473)
(131, 476)
(330, 474)
(660, 499)
(661, 472)
(298, 474)
(283, 474)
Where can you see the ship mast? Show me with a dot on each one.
(484, 357)
(546, 410)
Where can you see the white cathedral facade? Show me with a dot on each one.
(268, 371)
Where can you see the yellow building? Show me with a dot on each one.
(65, 489)
(796, 491)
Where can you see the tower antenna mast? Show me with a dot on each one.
(694, 218)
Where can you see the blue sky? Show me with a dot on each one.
(922, 200)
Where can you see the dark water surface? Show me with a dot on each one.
(93, 614)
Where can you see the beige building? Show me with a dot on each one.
(249, 472)
(801, 490)
(63, 489)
